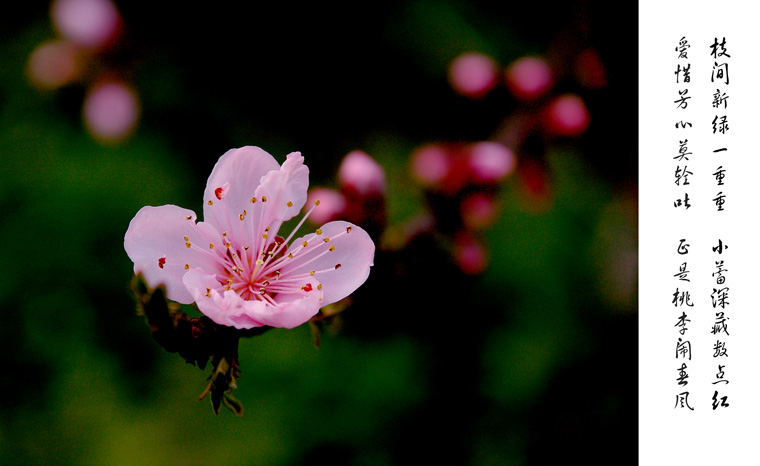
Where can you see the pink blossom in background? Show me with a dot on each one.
(478, 211)
(567, 115)
(90, 23)
(472, 74)
(490, 162)
(233, 265)
(430, 165)
(362, 173)
(470, 255)
(111, 111)
(54, 64)
(529, 77)
(331, 207)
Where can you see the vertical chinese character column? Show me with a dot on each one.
(719, 79)
(682, 297)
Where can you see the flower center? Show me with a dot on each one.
(251, 264)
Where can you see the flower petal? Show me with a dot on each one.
(163, 242)
(233, 183)
(339, 271)
(285, 191)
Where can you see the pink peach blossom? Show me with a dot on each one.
(233, 264)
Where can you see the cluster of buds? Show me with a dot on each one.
(360, 197)
(461, 183)
(88, 32)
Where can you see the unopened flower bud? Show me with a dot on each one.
(529, 77)
(430, 164)
(470, 255)
(54, 64)
(472, 75)
(490, 162)
(361, 173)
(331, 205)
(478, 211)
(111, 111)
(567, 115)
(90, 23)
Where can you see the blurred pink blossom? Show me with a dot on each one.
(430, 165)
(470, 255)
(567, 115)
(332, 204)
(361, 173)
(529, 77)
(490, 161)
(111, 111)
(472, 74)
(478, 211)
(233, 265)
(90, 23)
(54, 64)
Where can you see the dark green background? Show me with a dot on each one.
(531, 362)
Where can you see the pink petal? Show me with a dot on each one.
(155, 241)
(289, 314)
(341, 271)
(238, 172)
(284, 190)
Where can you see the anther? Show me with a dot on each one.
(312, 273)
(188, 244)
(319, 232)
(210, 202)
(263, 292)
(187, 266)
(189, 217)
(316, 202)
(290, 204)
(265, 283)
(305, 243)
(307, 287)
(264, 235)
(211, 246)
(332, 248)
(227, 244)
(327, 240)
(219, 192)
(186, 238)
(348, 229)
(161, 262)
(208, 292)
(253, 200)
(337, 266)
(263, 198)
(319, 287)
(241, 217)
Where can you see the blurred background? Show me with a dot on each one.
(491, 150)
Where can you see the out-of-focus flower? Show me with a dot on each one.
(529, 77)
(90, 23)
(54, 64)
(490, 162)
(111, 111)
(472, 74)
(331, 207)
(478, 210)
(233, 265)
(430, 165)
(567, 115)
(362, 174)
(470, 255)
